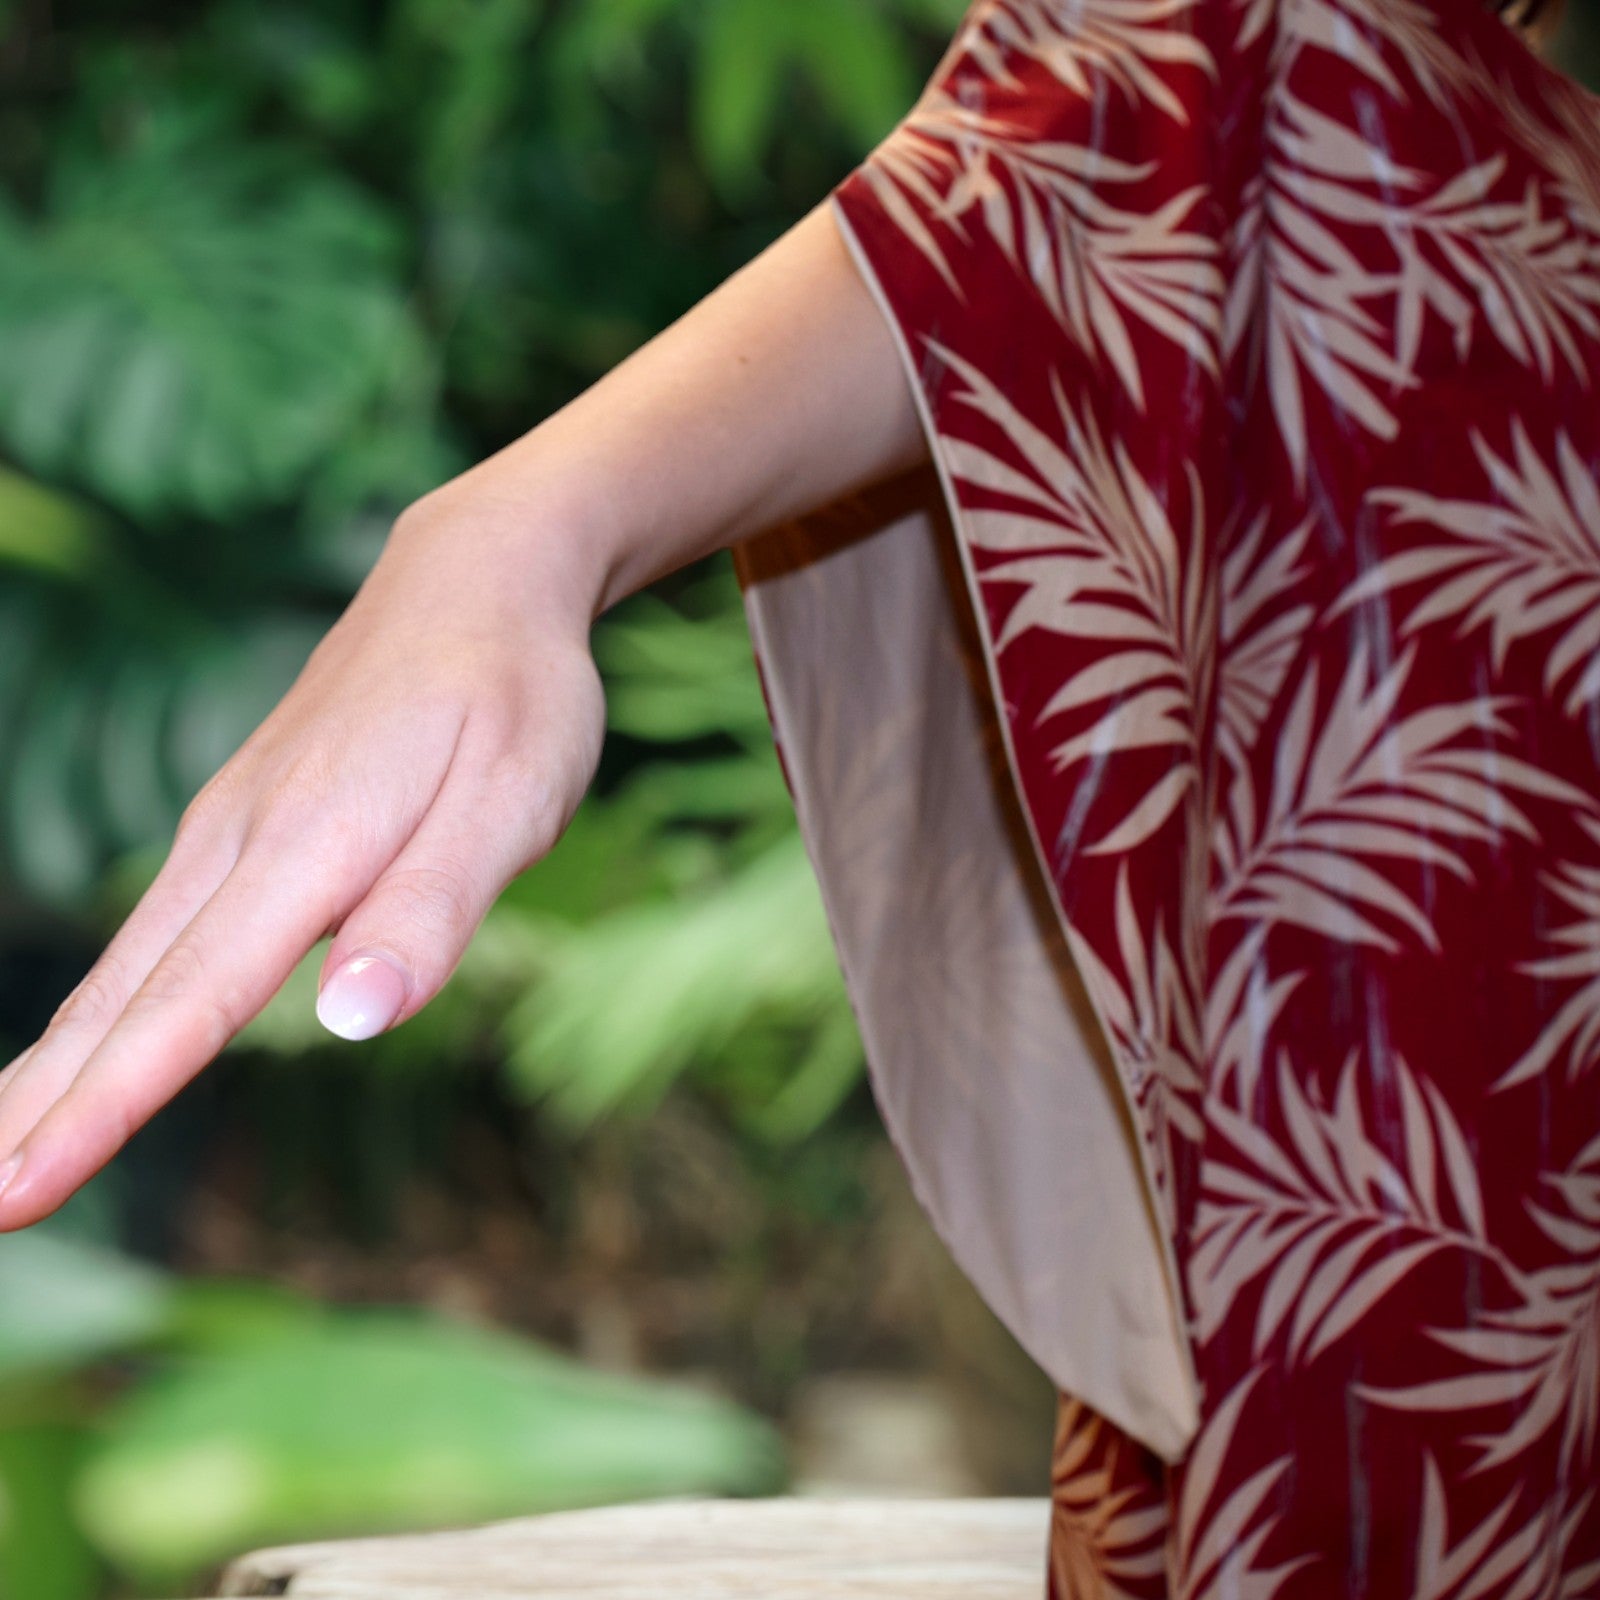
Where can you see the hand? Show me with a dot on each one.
(436, 743)
(442, 734)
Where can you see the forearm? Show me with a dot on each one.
(777, 393)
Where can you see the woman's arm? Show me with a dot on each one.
(779, 392)
(446, 727)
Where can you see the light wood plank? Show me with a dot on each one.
(783, 1548)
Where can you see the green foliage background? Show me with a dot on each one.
(266, 274)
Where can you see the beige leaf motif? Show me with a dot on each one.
(1542, 1356)
(1531, 1561)
(1575, 1028)
(1523, 561)
(1214, 1556)
(1127, 41)
(1329, 1216)
(1043, 199)
(1105, 1541)
(1096, 556)
(1358, 781)
(1154, 1028)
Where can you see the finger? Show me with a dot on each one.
(395, 950)
(16, 1065)
(38, 1077)
(218, 973)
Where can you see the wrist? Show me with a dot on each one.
(538, 555)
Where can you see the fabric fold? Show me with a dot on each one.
(985, 1059)
(1202, 770)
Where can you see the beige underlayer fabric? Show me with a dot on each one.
(987, 1062)
(1257, 343)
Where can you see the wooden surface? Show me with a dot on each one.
(794, 1548)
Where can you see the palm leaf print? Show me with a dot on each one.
(1531, 1562)
(1242, 1004)
(1254, 15)
(1244, 252)
(1527, 263)
(1444, 66)
(1543, 1355)
(1094, 264)
(1117, 38)
(1575, 1028)
(1332, 1219)
(1154, 1026)
(1566, 1581)
(1531, 271)
(1532, 274)
(1043, 200)
(1314, 285)
(1214, 1557)
(1559, 130)
(1097, 557)
(1356, 782)
(906, 174)
(1523, 563)
(1105, 1540)
(1259, 637)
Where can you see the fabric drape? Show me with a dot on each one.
(1201, 767)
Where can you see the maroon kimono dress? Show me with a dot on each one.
(1200, 762)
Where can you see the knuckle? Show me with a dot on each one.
(182, 978)
(434, 899)
(96, 1000)
(178, 975)
(527, 790)
(312, 832)
(516, 790)
(309, 813)
(286, 822)
(545, 813)
(328, 856)
(296, 798)
(210, 801)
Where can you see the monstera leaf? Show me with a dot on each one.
(109, 723)
(189, 323)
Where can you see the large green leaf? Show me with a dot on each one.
(476, 58)
(43, 1553)
(64, 1302)
(44, 531)
(190, 323)
(375, 1420)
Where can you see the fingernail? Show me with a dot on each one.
(9, 1169)
(361, 998)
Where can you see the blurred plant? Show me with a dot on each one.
(245, 1416)
(200, 321)
(733, 977)
(266, 273)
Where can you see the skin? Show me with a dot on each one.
(440, 736)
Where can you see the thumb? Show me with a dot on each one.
(396, 948)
